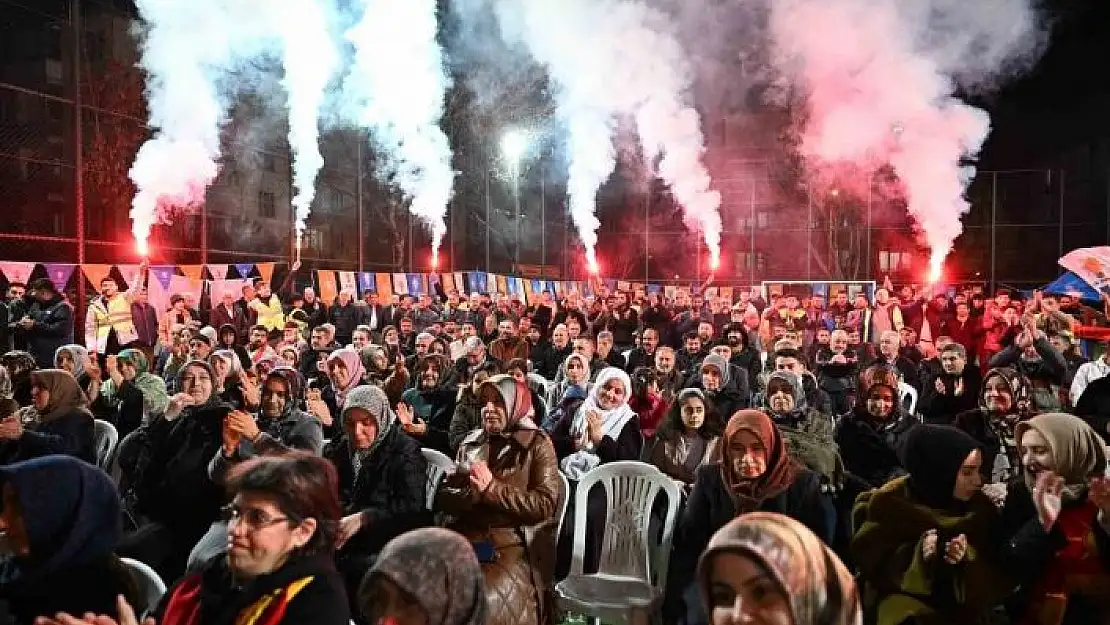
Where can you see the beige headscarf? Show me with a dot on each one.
(65, 395)
(818, 586)
(1076, 448)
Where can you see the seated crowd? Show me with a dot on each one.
(894, 460)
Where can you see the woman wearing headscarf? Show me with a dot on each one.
(57, 422)
(924, 543)
(603, 429)
(715, 378)
(61, 521)
(173, 496)
(468, 407)
(1056, 517)
(768, 568)
(573, 382)
(1004, 401)
(20, 364)
(504, 499)
(229, 371)
(72, 358)
(755, 473)
(808, 433)
(871, 436)
(345, 373)
(393, 379)
(430, 570)
(688, 438)
(382, 481)
(132, 395)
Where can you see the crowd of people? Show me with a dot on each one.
(887, 457)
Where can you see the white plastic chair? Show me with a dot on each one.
(149, 583)
(629, 584)
(105, 437)
(566, 500)
(908, 396)
(438, 465)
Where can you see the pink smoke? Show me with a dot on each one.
(879, 78)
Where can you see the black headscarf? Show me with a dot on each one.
(933, 455)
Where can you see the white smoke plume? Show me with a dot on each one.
(310, 59)
(396, 88)
(611, 58)
(880, 81)
(198, 57)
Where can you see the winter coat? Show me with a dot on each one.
(389, 490)
(53, 328)
(873, 455)
(891, 523)
(516, 514)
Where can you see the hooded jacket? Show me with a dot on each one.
(434, 406)
(71, 513)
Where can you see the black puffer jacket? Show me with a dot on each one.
(389, 490)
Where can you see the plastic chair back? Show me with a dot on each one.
(908, 396)
(438, 465)
(564, 504)
(105, 437)
(628, 548)
(149, 584)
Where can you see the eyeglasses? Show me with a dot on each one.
(253, 518)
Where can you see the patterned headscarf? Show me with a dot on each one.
(77, 353)
(817, 585)
(438, 569)
(517, 399)
(374, 401)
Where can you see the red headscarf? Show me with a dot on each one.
(749, 493)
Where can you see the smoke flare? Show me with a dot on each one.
(882, 91)
(310, 60)
(613, 59)
(396, 89)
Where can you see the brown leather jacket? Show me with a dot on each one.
(667, 456)
(504, 350)
(517, 513)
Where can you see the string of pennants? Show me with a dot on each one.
(191, 279)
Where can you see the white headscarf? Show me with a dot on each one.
(612, 422)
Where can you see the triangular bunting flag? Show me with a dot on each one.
(460, 282)
(328, 290)
(365, 282)
(59, 274)
(448, 281)
(219, 272)
(130, 274)
(244, 269)
(347, 282)
(502, 285)
(266, 270)
(415, 283)
(163, 273)
(400, 284)
(654, 289)
(193, 272)
(96, 274)
(17, 272)
(182, 285)
(433, 279)
(726, 292)
(384, 283)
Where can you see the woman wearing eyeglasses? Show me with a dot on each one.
(283, 520)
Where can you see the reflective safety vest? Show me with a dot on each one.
(104, 316)
(270, 313)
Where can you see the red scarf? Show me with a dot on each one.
(1075, 568)
(183, 607)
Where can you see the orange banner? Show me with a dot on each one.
(384, 283)
(193, 272)
(328, 289)
(266, 270)
(96, 274)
